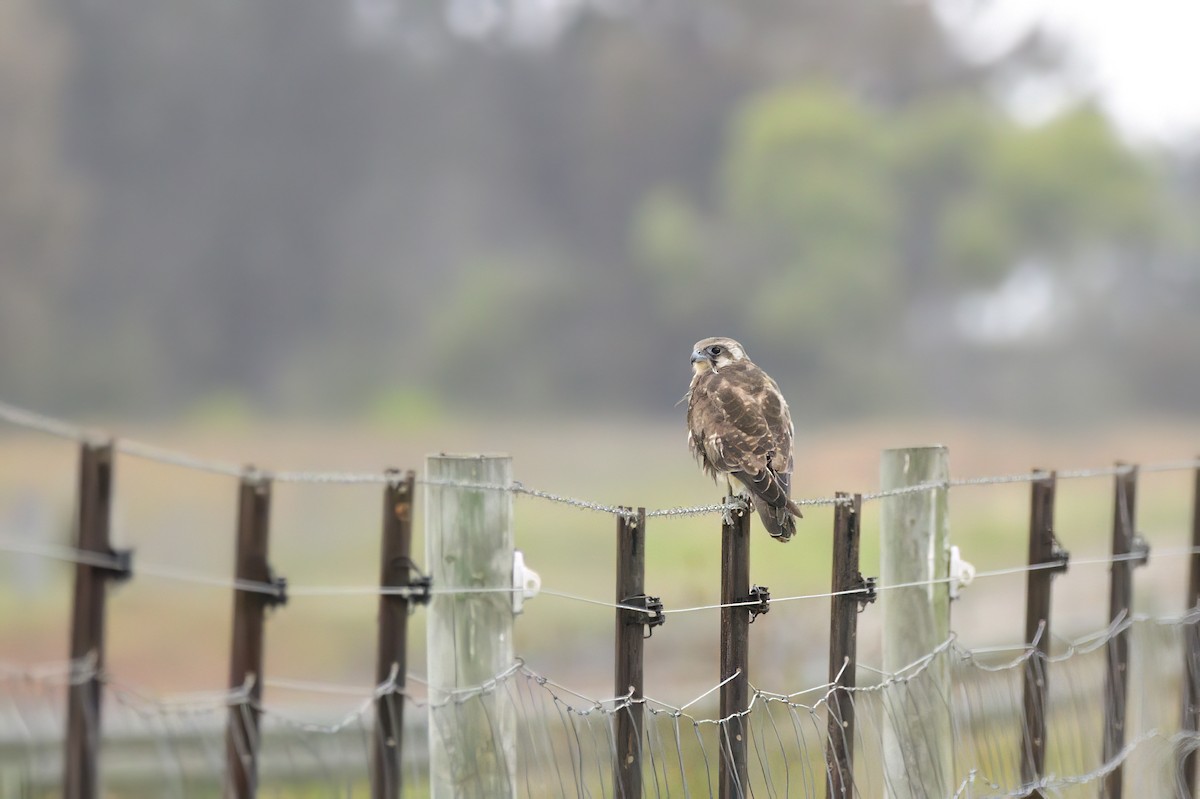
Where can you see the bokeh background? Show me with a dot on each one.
(394, 207)
(319, 234)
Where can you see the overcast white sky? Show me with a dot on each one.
(1143, 56)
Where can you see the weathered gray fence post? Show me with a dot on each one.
(81, 778)
(914, 529)
(1191, 650)
(469, 545)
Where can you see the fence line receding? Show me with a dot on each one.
(938, 719)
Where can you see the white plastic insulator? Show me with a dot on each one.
(962, 572)
(526, 582)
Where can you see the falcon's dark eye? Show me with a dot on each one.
(715, 350)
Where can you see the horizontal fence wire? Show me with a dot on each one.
(34, 421)
(566, 738)
(173, 573)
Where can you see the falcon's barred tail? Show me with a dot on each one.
(779, 522)
(772, 490)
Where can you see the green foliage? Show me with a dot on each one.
(489, 347)
(806, 167)
(1071, 182)
(835, 221)
(938, 147)
(975, 241)
(285, 204)
(948, 182)
(809, 218)
(404, 408)
(938, 158)
(221, 410)
(668, 236)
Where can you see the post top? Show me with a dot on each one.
(942, 447)
(468, 456)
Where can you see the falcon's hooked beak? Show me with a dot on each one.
(700, 355)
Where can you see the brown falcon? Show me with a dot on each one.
(739, 427)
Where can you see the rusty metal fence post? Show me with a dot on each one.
(850, 591)
(391, 662)
(81, 775)
(1128, 551)
(630, 644)
(1046, 559)
(735, 650)
(259, 589)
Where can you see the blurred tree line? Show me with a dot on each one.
(318, 205)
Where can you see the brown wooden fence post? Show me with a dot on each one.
(246, 657)
(1044, 549)
(630, 643)
(81, 778)
(1191, 653)
(391, 663)
(735, 645)
(1128, 551)
(843, 643)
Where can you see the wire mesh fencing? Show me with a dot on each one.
(565, 744)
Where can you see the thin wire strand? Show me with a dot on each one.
(44, 424)
(74, 555)
(57, 427)
(170, 457)
(992, 768)
(84, 668)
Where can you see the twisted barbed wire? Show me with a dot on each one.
(46, 424)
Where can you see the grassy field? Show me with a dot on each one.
(170, 637)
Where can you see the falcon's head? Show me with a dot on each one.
(714, 353)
